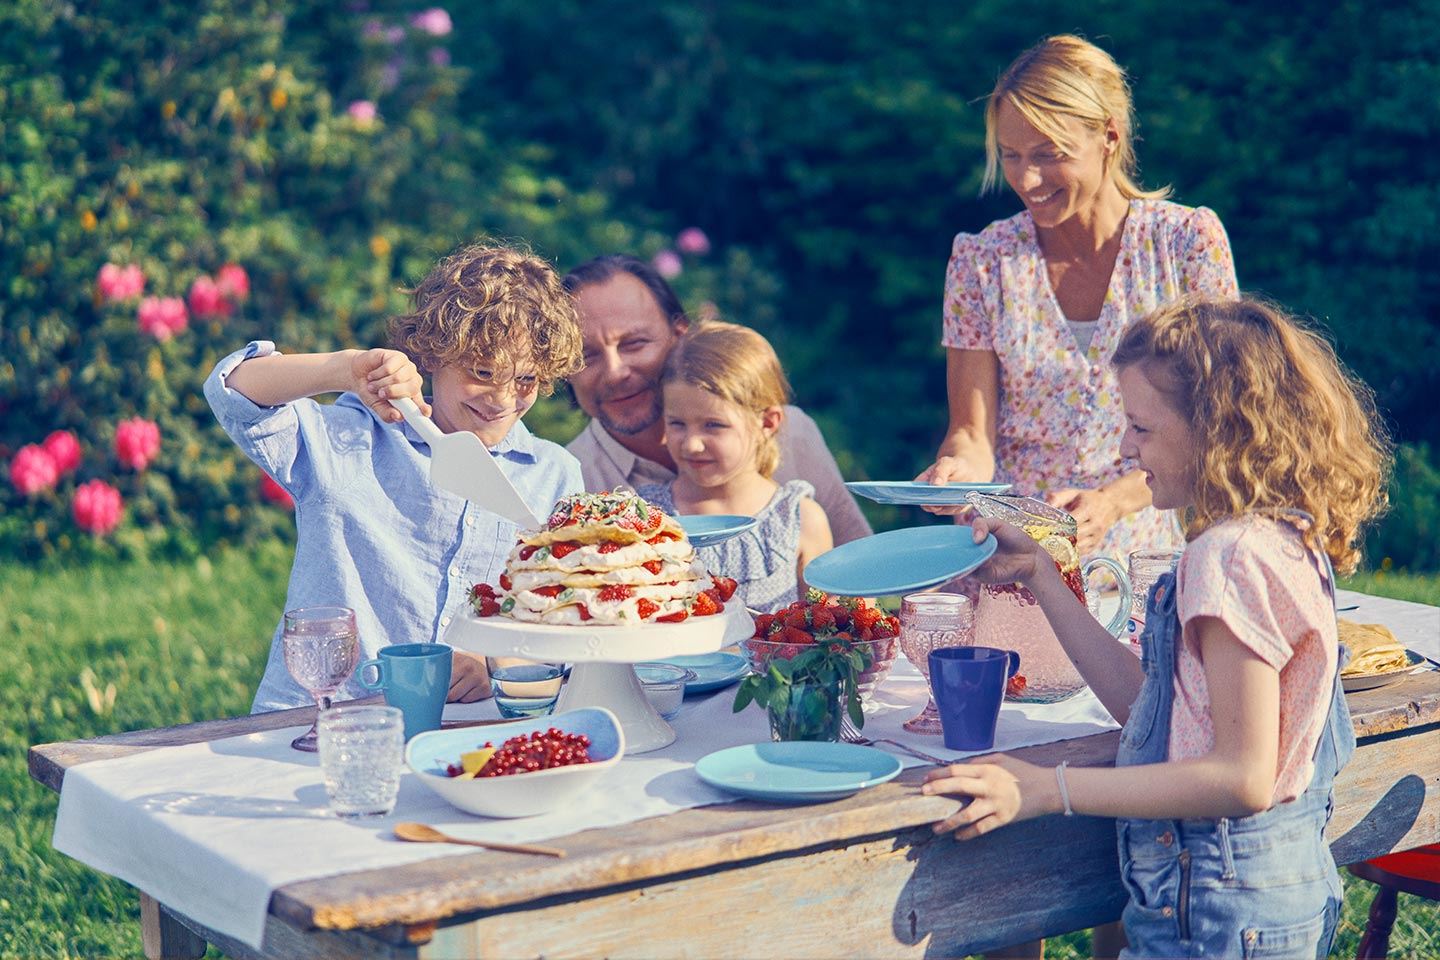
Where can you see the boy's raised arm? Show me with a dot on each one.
(375, 376)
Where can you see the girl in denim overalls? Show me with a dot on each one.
(1234, 722)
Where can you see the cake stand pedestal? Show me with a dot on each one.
(601, 658)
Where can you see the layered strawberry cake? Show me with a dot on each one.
(604, 558)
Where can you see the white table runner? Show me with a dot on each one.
(211, 829)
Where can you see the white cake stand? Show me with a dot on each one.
(601, 675)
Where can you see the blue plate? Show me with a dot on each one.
(797, 771)
(921, 494)
(898, 561)
(712, 670)
(708, 529)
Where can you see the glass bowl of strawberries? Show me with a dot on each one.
(854, 620)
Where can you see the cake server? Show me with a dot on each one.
(460, 463)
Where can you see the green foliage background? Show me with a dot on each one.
(830, 152)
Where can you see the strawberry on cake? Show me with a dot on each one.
(604, 558)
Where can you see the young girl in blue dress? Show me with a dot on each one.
(724, 395)
(1234, 720)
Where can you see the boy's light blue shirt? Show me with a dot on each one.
(372, 532)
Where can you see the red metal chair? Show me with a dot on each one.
(1412, 871)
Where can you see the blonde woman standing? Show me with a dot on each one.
(1036, 304)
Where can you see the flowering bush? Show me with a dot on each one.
(163, 208)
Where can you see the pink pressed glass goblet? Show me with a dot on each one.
(930, 621)
(322, 649)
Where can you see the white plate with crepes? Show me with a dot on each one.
(501, 636)
(1369, 681)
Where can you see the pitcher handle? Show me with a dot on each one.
(1122, 613)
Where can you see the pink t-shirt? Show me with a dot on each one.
(1256, 575)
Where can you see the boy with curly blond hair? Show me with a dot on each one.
(492, 328)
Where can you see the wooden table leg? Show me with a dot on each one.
(164, 937)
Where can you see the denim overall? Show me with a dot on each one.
(1257, 886)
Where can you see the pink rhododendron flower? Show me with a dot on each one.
(32, 470)
(120, 283)
(361, 111)
(64, 449)
(205, 299)
(137, 442)
(272, 492)
(693, 240)
(234, 282)
(163, 317)
(435, 21)
(667, 264)
(97, 507)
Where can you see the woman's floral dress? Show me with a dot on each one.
(1060, 420)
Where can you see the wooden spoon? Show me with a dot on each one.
(424, 833)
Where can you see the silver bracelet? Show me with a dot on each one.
(1064, 790)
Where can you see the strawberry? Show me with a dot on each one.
(866, 617)
(646, 608)
(775, 626)
(726, 586)
(527, 552)
(705, 605)
(551, 591)
(1015, 686)
(796, 618)
(675, 617)
(558, 550)
(505, 582)
(821, 617)
(488, 607)
(482, 590)
(609, 546)
(584, 612)
(615, 592)
(654, 566)
(762, 624)
(794, 635)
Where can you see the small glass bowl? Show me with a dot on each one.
(664, 685)
(882, 657)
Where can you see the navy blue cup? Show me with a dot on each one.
(415, 678)
(969, 685)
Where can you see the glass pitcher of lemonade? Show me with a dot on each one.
(1009, 617)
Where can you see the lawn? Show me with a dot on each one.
(102, 650)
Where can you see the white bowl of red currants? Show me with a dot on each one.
(519, 769)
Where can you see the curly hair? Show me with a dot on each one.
(737, 365)
(1277, 420)
(487, 305)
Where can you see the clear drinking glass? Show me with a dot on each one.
(361, 753)
(525, 690)
(929, 621)
(1146, 566)
(322, 649)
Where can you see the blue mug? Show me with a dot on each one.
(969, 685)
(415, 678)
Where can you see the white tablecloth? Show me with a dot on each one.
(211, 829)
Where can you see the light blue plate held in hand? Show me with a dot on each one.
(708, 529)
(899, 561)
(797, 771)
(712, 670)
(914, 493)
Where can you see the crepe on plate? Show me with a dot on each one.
(1373, 649)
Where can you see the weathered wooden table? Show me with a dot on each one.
(857, 877)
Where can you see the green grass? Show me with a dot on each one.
(187, 641)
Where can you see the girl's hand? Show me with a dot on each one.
(1017, 558)
(379, 376)
(469, 678)
(1000, 790)
(1095, 512)
(947, 470)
